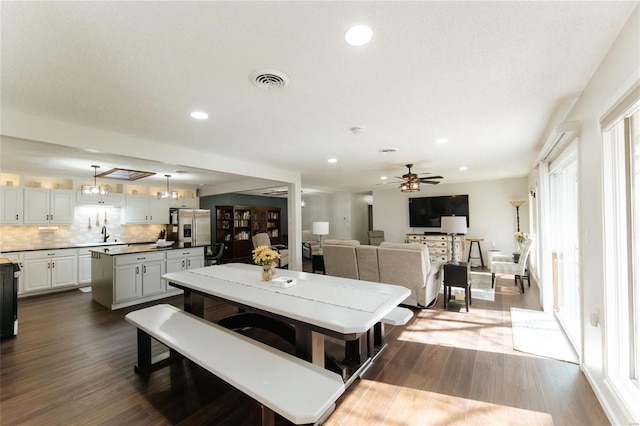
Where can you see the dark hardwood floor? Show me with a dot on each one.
(72, 363)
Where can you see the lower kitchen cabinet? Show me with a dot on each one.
(183, 259)
(49, 269)
(84, 263)
(120, 280)
(138, 275)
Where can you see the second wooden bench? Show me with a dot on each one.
(299, 391)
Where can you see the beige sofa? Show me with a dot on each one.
(402, 264)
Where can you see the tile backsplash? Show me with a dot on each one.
(86, 228)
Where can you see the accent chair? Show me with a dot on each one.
(504, 264)
(262, 239)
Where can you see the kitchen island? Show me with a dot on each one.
(126, 276)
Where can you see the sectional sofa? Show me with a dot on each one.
(405, 264)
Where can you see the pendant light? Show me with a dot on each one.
(167, 193)
(95, 189)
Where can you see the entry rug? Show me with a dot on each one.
(85, 289)
(539, 333)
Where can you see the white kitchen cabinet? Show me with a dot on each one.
(12, 205)
(48, 206)
(182, 203)
(183, 259)
(144, 209)
(49, 269)
(84, 264)
(138, 275)
(111, 199)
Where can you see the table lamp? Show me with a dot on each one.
(453, 225)
(321, 228)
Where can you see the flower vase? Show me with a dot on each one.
(267, 273)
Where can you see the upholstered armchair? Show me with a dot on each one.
(310, 244)
(504, 264)
(409, 265)
(376, 237)
(263, 239)
(340, 258)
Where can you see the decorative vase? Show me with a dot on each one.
(267, 272)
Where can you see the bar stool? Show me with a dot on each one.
(477, 241)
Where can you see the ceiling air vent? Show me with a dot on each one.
(387, 150)
(270, 79)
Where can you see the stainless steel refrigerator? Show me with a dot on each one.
(191, 227)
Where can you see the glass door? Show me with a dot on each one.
(565, 243)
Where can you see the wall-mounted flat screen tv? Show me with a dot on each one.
(425, 212)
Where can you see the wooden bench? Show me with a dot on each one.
(398, 316)
(299, 391)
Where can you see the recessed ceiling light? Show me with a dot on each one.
(442, 140)
(463, 168)
(332, 160)
(358, 35)
(383, 178)
(199, 115)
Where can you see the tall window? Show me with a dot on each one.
(621, 154)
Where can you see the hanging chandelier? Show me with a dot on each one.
(168, 194)
(95, 189)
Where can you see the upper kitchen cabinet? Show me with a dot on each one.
(145, 209)
(11, 211)
(114, 196)
(111, 199)
(181, 202)
(48, 206)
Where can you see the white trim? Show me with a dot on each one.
(561, 135)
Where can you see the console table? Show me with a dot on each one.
(439, 245)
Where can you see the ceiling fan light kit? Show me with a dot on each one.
(411, 182)
(410, 187)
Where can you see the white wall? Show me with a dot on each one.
(490, 215)
(617, 73)
(346, 213)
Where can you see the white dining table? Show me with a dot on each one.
(316, 306)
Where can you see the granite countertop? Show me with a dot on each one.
(135, 247)
(140, 248)
(72, 246)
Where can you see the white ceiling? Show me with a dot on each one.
(489, 76)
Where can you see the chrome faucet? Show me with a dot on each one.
(104, 232)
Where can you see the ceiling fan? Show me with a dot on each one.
(411, 181)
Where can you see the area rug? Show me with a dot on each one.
(481, 286)
(539, 333)
(85, 289)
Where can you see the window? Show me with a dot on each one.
(621, 156)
